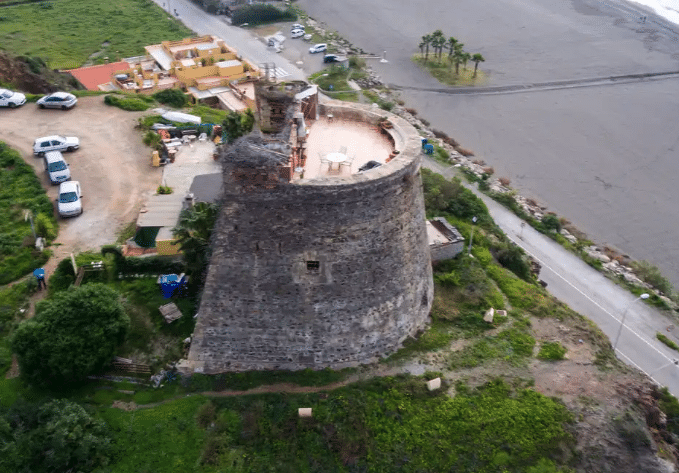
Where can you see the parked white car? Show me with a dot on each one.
(296, 34)
(69, 202)
(11, 99)
(56, 168)
(318, 48)
(55, 143)
(296, 26)
(62, 100)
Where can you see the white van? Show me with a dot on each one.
(56, 168)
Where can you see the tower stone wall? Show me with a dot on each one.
(329, 272)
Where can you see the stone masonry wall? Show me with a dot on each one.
(313, 276)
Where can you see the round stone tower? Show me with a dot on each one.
(322, 267)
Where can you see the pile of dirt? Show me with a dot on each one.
(30, 74)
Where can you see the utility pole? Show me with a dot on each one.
(471, 238)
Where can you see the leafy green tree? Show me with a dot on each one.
(238, 124)
(193, 233)
(59, 436)
(172, 97)
(75, 333)
(477, 58)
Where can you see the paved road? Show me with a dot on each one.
(592, 295)
(245, 43)
(603, 157)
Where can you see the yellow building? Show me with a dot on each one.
(192, 64)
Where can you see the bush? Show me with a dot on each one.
(131, 103)
(652, 275)
(44, 227)
(667, 341)
(164, 190)
(206, 415)
(512, 258)
(258, 14)
(552, 351)
(238, 124)
(551, 222)
(172, 97)
(74, 334)
(153, 140)
(59, 436)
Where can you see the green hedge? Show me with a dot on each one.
(258, 14)
(20, 190)
(137, 103)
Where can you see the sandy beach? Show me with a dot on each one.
(605, 157)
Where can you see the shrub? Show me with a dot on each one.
(74, 334)
(357, 62)
(411, 111)
(551, 222)
(667, 341)
(238, 124)
(206, 415)
(385, 105)
(44, 227)
(164, 190)
(172, 97)
(512, 258)
(504, 181)
(651, 274)
(464, 151)
(153, 140)
(552, 351)
(130, 104)
(424, 121)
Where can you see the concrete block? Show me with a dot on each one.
(434, 384)
(305, 411)
(488, 317)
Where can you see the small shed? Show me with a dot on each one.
(445, 242)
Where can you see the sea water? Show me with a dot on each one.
(668, 9)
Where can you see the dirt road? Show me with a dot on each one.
(112, 165)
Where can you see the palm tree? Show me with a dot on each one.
(426, 39)
(451, 47)
(438, 41)
(421, 46)
(477, 58)
(457, 56)
(465, 58)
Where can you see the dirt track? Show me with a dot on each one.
(112, 165)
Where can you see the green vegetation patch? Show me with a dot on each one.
(21, 191)
(667, 341)
(262, 13)
(333, 79)
(513, 345)
(552, 351)
(71, 31)
(13, 299)
(386, 424)
(130, 103)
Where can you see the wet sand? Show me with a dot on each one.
(605, 157)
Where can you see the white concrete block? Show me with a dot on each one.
(434, 384)
(305, 411)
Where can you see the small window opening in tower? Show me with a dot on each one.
(313, 266)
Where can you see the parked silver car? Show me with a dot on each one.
(69, 202)
(56, 167)
(11, 99)
(62, 100)
(55, 143)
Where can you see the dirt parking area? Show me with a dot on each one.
(112, 165)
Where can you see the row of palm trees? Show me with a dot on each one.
(456, 54)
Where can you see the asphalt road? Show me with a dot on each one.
(588, 292)
(602, 156)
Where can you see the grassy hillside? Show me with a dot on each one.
(65, 33)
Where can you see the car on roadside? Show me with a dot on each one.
(56, 167)
(55, 143)
(69, 202)
(11, 99)
(318, 48)
(296, 26)
(62, 100)
(331, 58)
(296, 34)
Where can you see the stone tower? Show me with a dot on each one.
(324, 271)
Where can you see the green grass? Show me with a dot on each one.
(552, 351)
(69, 32)
(333, 76)
(513, 345)
(20, 191)
(209, 114)
(445, 73)
(131, 103)
(386, 424)
(667, 341)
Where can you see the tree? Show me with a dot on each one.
(193, 233)
(238, 124)
(477, 58)
(75, 333)
(451, 47)
(458, 51)
(438, 40)
(59, 436)
(465, 59)
(426, 39)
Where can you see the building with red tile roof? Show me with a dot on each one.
(94, 76)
